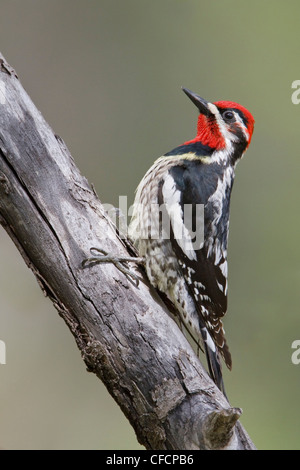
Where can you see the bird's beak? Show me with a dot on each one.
(201, 103)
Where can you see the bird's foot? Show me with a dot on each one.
(121, 262)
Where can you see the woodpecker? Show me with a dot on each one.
(198, 173)
(191, 270)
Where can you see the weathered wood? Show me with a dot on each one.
(125, 333)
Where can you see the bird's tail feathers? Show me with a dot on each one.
(213, 360)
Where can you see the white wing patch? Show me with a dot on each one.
(224, 268)
(210, 342)
(220, 286)
(218, 196)
(171, 197)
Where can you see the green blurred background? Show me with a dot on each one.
(106, 75)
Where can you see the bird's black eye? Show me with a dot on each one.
(228, 116)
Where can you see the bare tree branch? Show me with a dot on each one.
(125, 333)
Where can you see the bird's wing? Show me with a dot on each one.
(203, 265)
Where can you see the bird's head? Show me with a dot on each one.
(222, 125)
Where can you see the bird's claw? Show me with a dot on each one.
(121, 262)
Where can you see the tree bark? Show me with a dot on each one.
(124, 332)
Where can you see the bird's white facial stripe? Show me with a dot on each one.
(242, 125)
(213, 108)
(222, 126)
(172, 196)
(228, 136)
